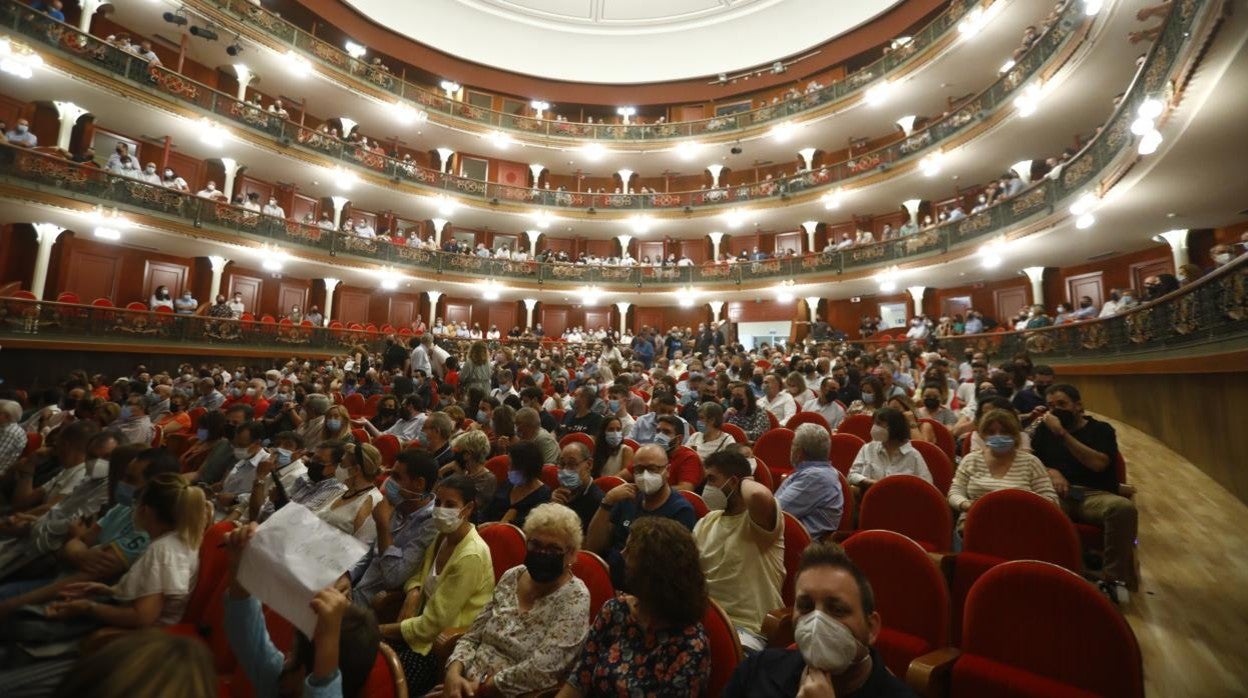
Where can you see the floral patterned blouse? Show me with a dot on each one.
(525, 651)
(752, 423)
(621, 658)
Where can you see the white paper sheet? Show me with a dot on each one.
(293, 555)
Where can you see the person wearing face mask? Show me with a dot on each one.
(835, 624)
(271, 208)
(286, 462)
(577, 490)
(825, 403)
(647, 495)
(454, 582)
(611, 455)
(160, 299)
(685, 467)
(249, 453)
(888, 453)
(536, 621)
(315, 489)
(710, 438)
(871, 397)
(171, 180)
(745, 413)
(618, 400)
(352, 512)
(405, 528)
(185, 304)
(404, 424)
(935, 397)
(20, 135)
(741, 546)
(1221, 256)
(1080, 453)
(1029, 400)
(1001, 465)
(336, 426)
(582, 418)
(149, 174)
(134, 424)
(524, 489)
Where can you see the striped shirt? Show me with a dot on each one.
(973, 479)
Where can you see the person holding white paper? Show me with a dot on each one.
(336, 661)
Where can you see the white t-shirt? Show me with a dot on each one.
(705, 448)
(65, 481)
(167, 567)
(782, 406)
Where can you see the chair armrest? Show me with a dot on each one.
(778, 627)
(945, 563)
(443, 646)
(928, 675)
(1125, 490)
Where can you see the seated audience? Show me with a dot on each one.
(524, 488)
(611, 455)
(709, 438)
(1001, 466)
(888, 453)
(577, 490)
(813, 492)
(472, 449)
(352, 512)
(825, 403)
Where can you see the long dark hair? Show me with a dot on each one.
(603, 450)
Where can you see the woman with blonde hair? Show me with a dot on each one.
(1000, 465)
(335, 427)
(476, 370)
(146, 664)
(472, 450)
(352, 511)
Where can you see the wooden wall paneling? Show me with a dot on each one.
(351, 306)
(250, 185)
(458, 312)
(157, 274)
(12, 109)
(554, 320)
(602, 248)
(1143, 270)
(402, 311)
(95, 275)
(1083, 285)
(504, 316)
(955, 305)
(651, 249)
(647, 317)
(301, 205)
(789, 241)
(595, 319)
(696, 250)
(1008, 301)
(189, 168)
(768, 311)
(251, 288)
(291, 293)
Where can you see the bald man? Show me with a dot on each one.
(577, 490)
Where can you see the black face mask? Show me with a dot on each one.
(544, 567)
(316, 471)
(1066, 417)
(931, 403)
(829, 396)
(757, 380)
(738, 403)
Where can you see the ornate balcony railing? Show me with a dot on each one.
(335, 58)
(100, 56)
(1209, 311)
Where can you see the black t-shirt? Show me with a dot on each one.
(588, 424)
(1027, 400)
(549, 423)
(586, 505)
(395, 356)
(1096, 435)
(777, 673)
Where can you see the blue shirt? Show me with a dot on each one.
(380, 570)
(258, 658)
(623, 514)
(813, 494)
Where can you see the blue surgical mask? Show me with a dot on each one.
(423, 438)
(393, 492)
(333, 424)
(515, 477)
(126, 412)
(124, 494)
(569, 478)
(702, 427)
(1000, 443)
(614, 405)
(201, 434)
(663, 440)
(614, 438)
(482, 417)
(283, 457)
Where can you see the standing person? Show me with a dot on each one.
(476, 370)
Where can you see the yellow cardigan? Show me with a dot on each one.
(465, 584)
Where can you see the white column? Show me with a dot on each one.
(624, 242)
(623, 307)
(231, 170)
(808, 157)
(46, 234)
(1036, 274)
(625, 175)
(716, 306)
(330, 285)
(916, 294)
(69, 114)
(810, 227)
(530, 304)
(433, 304)
(445, 159)
(714, 170)
(89, 8)
(812, 305)
(218, 267)
(1177, 239)
(537, 171)
(907, 124)
(533, 236)
(439, 225)
(340, 203)
(244, 79)
(716, 238)
(912, 207)
(348, 125)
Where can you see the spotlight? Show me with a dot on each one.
(205, 33)
(234, 49)
(177, 19)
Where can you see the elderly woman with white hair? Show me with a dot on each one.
(813, 492)
(527, 637)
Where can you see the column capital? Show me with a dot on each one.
(810, 226)
(716, 307)
(231, 166)
(433, 296)
(624, 240)
(907, 124)
(348, 125)
(331, 284)
(340, 202)
(533, 235)
(1036, 274)
(243, 73)
(716, 237)
(47, 233)
(445, 158)
(218, 264)
(623, 306)
(69, 110)
(530, 304)
(1176, 239)
(812, 306)
(808, 157)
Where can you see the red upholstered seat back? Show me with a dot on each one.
(771, 418)
(606, 483)
(773, 448)
(938, 464)
(499, 465)
(354, 404)
(763, 476)
(699, 507)
(807, 418)
(1046, 631)
(386, 680)
(944, 438)
(213, 560)
(550, 476)
(389, 446)
(593, 570)
(1021, 525)
(507, 546)
(796, 538)
(843, 450)
(578, 437)
(857, 424)
(736, 432)
(910, 595)
(725, 645)
(910, 506)
(847, 508)
(33, 441)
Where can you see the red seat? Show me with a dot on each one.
(910, 595)
(33, 441)
(558, 414)
(606, 483)
(796, 538)
(68, 297)
(774, 448)
(580, 437)
(354, 404)
(389, 446)
(360, 435)
(370, 405)
(699, 507)
(134, 305)
(163, 310)
(725, 646)
(387, 329)
(910, 506)
(763, 476)
(593, 570)
(204, 616)
(944, 439)
(102, 303)
(507, 544)
(843, 449)
(736, 432)
(807, 418)
(405, 332)
(550, 476)
(857, 424)
(28, 296)
(631, 444)
(195, 414)
(1076, 642)
(387, 679)
(847, 510)
(938, 464)
(771, 419)
(499, 465)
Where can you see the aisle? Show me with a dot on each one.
(1191, 613)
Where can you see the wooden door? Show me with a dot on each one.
(786, 242)
(595, 319)
(157, 274)
(503, 316)
(554, 321)
(249, 287)
(459, 312)
(402, 311)
(650, 248)
(1143, 270)
(352, 306)
(954, 305)
(95, 276)
(289, 295)
(1082, 285)
(648, 317)
(303, 205)
(1009, 301)
(695, 250)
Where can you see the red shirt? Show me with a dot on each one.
(684, 465)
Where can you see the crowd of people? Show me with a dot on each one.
(101, 528)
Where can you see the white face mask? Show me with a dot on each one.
(648, 482)
(445, 519)
(97, 468)
(341, 474)
(879, 433)
(716, 498)
(825, 643)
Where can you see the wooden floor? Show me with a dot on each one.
(1191, 613)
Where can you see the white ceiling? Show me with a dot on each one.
(621, 41)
